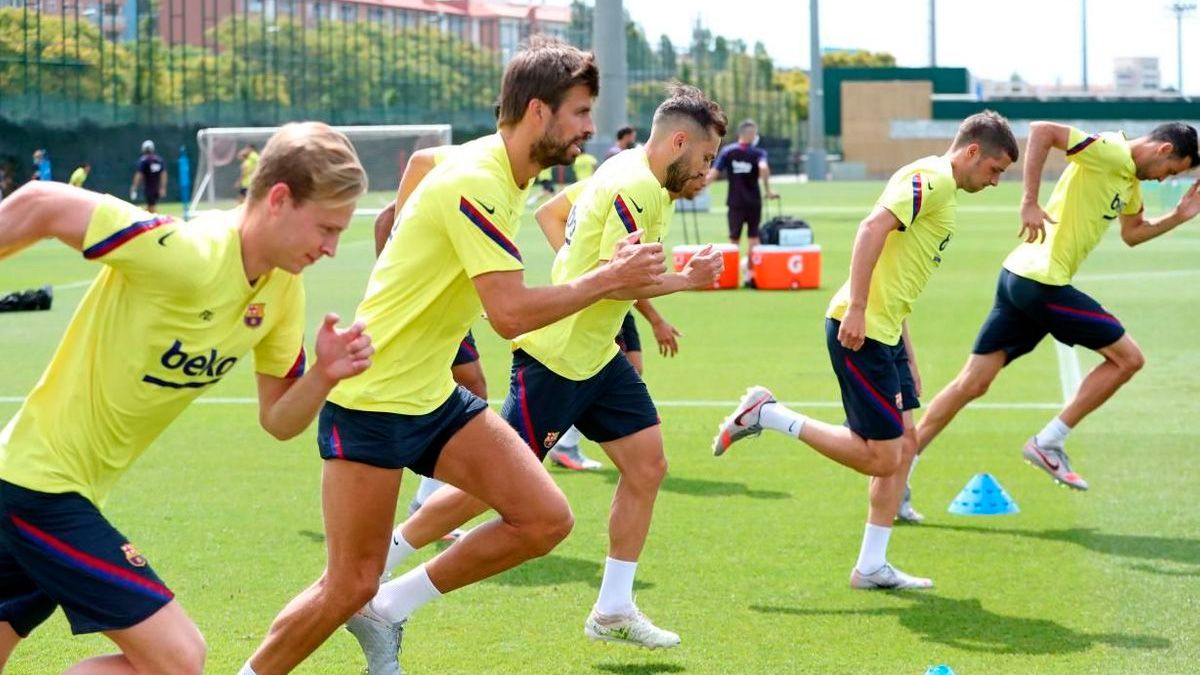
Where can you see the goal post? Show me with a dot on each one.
(383, 149)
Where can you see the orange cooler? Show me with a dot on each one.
(729, 253)
(786, 267)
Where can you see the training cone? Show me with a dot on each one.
(983, 496)
(939, 670)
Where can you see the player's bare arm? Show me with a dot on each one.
(1136, 229)
(287, 406)
(552, 218)
(868, 245)
(419, 165)
(1042, 137)
(514, 308)
(43, 209)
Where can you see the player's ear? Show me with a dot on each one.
(678, 140)
(1165, 149)
(278, 196)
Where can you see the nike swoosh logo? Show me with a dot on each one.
(635, 205)
(1053, 466)
(738, 420)
(162, 241)
(490, 209)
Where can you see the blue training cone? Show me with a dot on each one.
(983, 496)
(942, 669)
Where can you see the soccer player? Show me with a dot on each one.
(626, 138)
(465, 369)
(249, 157)
(584, 166)
(450, 255)
(79, 175)
(171, 313)
(896, 251)
(552, 218)
(151, 173)
(571, 372)
(1034, 295)
(744, 164)
(41, 166)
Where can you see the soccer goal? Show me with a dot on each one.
(384, 151)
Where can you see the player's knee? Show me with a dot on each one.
(1131, 363)
(549, 530)
(185, 654)
(974, 386)
(884, 458)
(346, 593)
(648, 472)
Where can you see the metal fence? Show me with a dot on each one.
(196, 63)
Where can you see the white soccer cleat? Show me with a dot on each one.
(571, 457)
(1055, 462)
(887, 577)
(743, 422)
(632, 629)
(906, 513)
(379, 640)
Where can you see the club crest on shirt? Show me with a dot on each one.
(551, 439)
(899, 400)
(132, 556)
(254, 314)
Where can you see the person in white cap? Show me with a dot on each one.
(152, 173)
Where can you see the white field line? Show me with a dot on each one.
(227, 400)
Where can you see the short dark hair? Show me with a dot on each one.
(990, 131)
(1182, 138)
(545, 70)
(746, 124)
(691, 103)
(623, 132)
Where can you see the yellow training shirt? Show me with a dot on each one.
(923, 198)
(1099, 185)
(168, 317)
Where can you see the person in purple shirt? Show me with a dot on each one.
(152, 174)
(744, 165)
(626, 139)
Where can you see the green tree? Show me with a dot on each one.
(857, 58)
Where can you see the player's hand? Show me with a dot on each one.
(1033, 222)
(853, 331)
(664, 335)
(342, 353)
(1189, 204)
(704, 269)
(634, 264)
(772, 195)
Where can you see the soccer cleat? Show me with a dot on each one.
(379, 640)
(887, 577)
(906, 513)
(743, 421)
(632, 629)
(571, 457)
(1055, 462)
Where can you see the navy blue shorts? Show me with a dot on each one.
(57, 550)
(541, 404)
(877, 385)
(1025, 311)
(750, 216)
(466, 351)
(628, 339)
(391, 440)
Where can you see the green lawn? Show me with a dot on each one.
(750, 553)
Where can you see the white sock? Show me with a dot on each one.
(778, 417)
(427, 487)
(873, 553)
(570, 437)
(398, 551)
(1054, 435)
(399, 598)
(246, 670)
(616, 589)
(911, 468)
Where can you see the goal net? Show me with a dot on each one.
(384, 151)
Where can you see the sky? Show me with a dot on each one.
(1039, 39)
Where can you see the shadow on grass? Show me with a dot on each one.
(315, 537)
(553, 570)
(640, 668)
(966, 625)
(698, 487)
(1144, 547)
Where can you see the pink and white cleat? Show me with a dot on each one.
(743, 422)
(1055, 462)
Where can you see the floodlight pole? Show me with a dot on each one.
(1083, 31)
(608, 42)
(815, 167)
(933, 33)
(1180, 8)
